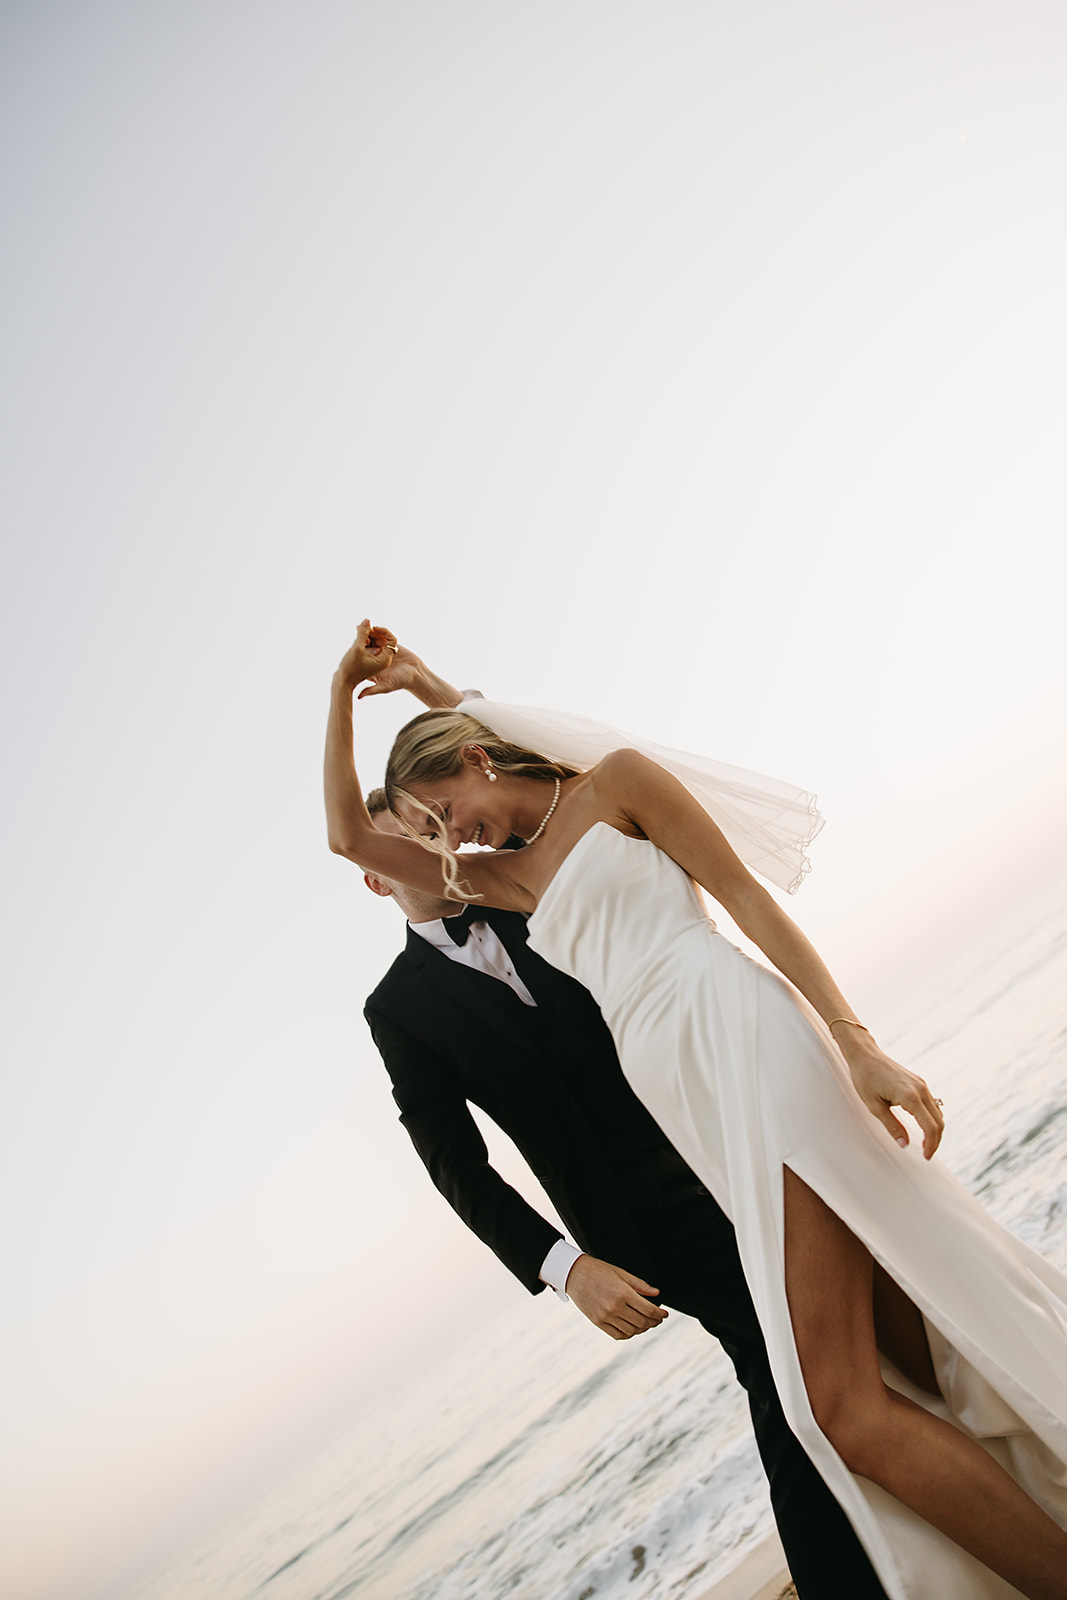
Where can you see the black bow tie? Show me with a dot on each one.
(459, 927)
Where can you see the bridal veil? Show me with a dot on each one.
(769, 823)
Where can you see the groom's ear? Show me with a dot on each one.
(377, 885)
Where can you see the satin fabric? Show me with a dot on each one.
(744, 1079)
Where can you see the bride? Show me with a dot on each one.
(932, 1396)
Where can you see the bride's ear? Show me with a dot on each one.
(475, 756)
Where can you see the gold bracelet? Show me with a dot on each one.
(851, 1021)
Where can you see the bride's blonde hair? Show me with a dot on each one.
(430, 747)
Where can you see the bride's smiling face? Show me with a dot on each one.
(466, 808)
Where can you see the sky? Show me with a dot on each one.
(697, 366)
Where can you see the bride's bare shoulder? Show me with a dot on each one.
(620, 782)
(620, 770)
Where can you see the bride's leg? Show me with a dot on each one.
(929, 1465)
(901, 1333)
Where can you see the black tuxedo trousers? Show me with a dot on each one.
(550, 1078)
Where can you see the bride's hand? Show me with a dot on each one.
(401, 669)
(882, 1083)
(376, 659)
(370, 656)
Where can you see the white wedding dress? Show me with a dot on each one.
(744, 1079)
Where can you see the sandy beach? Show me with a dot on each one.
(762, 1575)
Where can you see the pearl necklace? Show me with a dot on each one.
(548, 813)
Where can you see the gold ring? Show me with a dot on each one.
(395, 648)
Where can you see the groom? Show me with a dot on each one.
(468, 1013)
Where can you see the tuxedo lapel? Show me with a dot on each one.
(489, 998)
(547, 984)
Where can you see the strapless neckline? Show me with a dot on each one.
(552, 887)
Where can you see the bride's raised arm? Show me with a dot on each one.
(350, 829)
(650, 799)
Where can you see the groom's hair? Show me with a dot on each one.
(376, 802)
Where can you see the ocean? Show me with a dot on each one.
(543, 1461)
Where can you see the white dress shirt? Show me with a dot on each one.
(484, 951)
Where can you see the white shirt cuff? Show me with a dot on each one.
(557, 1264)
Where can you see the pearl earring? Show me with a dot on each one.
(490, 774)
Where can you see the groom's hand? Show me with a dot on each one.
(614, 1300)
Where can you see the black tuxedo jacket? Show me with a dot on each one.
(550, 1078)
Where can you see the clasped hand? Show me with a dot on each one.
(376, 659)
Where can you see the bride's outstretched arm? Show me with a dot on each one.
(665, 811)
(350, 830)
